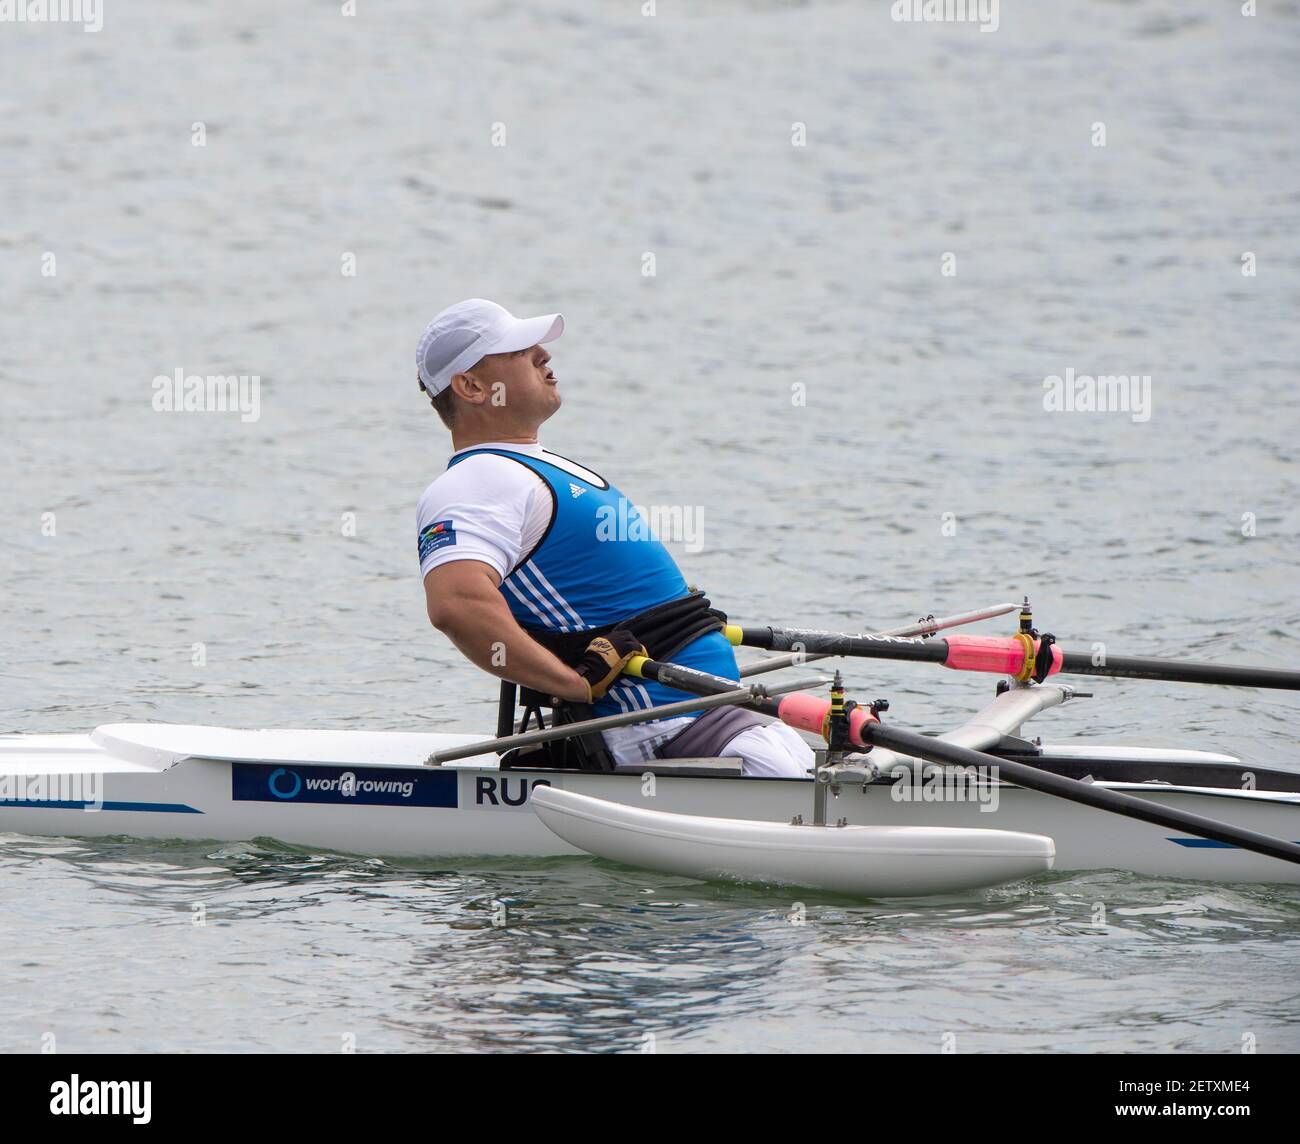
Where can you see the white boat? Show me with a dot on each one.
(373, 793)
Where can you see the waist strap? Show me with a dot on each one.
(709, 734)
(664, 629)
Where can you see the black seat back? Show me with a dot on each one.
(585, 752)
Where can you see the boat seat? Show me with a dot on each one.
(693, 768)
(585, 752)
(537, 758)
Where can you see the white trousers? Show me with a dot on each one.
(771, 751)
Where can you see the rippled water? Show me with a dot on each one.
(298, 951)
(775, 265)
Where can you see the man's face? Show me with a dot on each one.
(522, 383)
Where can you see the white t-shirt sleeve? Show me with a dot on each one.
(486, 508)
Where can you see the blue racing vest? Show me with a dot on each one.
(598, 564)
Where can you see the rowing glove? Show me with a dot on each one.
(603, 661)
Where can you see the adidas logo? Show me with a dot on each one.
(576, 490)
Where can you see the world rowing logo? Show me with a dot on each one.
(275, 784)
(347, 786)
(287, 784)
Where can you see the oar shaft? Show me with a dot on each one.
(925, 747)
(840, 643)
(1006, 656)
(1178, 671)
(925, 627)
(697, 682)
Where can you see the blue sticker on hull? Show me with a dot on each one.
(368, 786)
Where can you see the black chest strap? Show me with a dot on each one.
(664, 629)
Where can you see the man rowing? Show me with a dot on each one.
(522, 573)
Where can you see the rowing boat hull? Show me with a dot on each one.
(303, 789)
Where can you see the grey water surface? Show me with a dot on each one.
(862, 436)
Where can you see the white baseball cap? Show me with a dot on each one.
(462, 334)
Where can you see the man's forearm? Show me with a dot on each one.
(509, 652)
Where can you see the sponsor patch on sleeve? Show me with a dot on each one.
(437, 535)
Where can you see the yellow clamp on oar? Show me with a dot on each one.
(836, 708)
(1027, 669)
(635, 664)
(735, 635)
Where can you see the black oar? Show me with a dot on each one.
(1006, 656)
(924, 627)
(925, 747)
(936, 750)
(1179, 671)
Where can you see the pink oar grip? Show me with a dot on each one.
(1000, 655)
(808, 713)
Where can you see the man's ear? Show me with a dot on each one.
(469, 388)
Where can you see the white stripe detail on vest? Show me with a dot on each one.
(545, 621)
(537, 594)
(578, 625)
